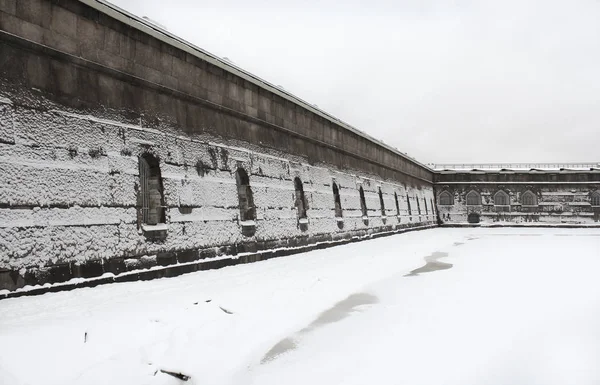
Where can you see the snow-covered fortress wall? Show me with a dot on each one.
(123, 148)
(547, 194)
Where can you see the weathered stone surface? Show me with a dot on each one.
(89, 95)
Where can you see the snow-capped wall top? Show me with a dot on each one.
(513, 167)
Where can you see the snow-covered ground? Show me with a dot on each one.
(443, 306)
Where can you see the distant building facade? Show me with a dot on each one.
(518, 194)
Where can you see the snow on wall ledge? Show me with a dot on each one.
(68, 198)
(86, 95)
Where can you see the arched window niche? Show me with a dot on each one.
(397, 205)
(595, 198)
(408, 206)
(529, 199)
(151, 205)
(300, 202)
(473, 198)
(381, 203)
(501, 201)
(445, 199)
(337, 202)
(425, 203)
(245, 202)
(363, 205)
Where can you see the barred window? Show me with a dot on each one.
(473, 198)
(445, 199)
(363, 204)
(381, 203)
(245, 196)
(529, 199)
(336, 200)
(150, 198)
(300, 198)
(501, 198)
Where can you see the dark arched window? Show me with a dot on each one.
(418, 205)
(245, 197)
(397, 204)
(150, 198)
(300, 198)
(336, 200)
(473, 198)
(595, 198)
(363, 204)
(501, 198)
(408, 204)
(445, 199)
(381, 203)
(425, 202)
(529, 199)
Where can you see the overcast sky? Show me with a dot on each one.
(444, 81)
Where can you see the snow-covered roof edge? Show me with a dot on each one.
(516, 167)
(165, 36)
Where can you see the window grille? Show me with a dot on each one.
(363, 203)
(381, 203)
(336, 200)
(151, 201)
(245, 196)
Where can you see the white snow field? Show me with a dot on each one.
(492, 306)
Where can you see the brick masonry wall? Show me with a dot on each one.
(82, 96)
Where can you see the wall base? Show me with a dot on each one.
(180, 267)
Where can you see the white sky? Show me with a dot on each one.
(444, 81)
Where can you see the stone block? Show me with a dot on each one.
(115, 265)
(60, 42)
(11, 280)
(63, 21)
(89, 269)
(208, 253)
(187, 256)
(166, 258)
(60, 273)
(9, 6)
(90, 35)
(21, 27)
(33, 11)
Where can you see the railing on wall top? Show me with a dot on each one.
(513, 166)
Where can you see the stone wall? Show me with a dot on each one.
(555, 197)
(83, 96)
